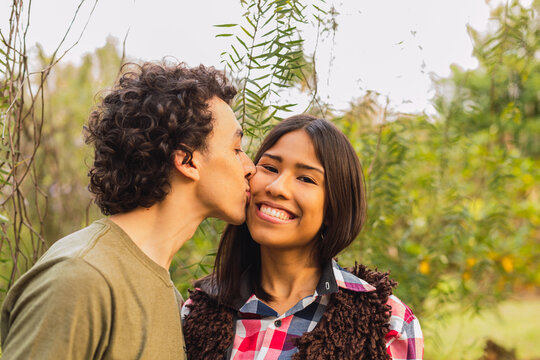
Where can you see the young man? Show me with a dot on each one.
(167, 155)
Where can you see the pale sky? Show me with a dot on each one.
(389, 46)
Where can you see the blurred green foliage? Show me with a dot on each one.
(454, 207)
(454, 210)
(63, 157)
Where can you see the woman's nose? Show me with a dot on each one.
(280, 187)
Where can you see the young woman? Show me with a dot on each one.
(276, 292)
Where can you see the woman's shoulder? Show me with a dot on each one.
(399, 310)
(404, 339)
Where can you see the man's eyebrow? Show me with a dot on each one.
(297, 165)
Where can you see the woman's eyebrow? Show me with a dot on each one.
(297, 165)
(308, 167)
(273, 157)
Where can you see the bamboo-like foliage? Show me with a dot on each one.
(266, 56)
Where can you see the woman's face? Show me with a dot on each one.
(287, 194)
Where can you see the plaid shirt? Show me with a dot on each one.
(261, 333)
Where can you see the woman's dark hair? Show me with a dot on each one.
(344, 214)
(153, 110)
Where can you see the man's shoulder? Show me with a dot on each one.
(99, 245)
(76, 244)
(50, 296)
(65, 263)
(73, 274)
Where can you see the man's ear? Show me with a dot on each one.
(187, 164)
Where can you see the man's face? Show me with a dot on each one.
(225, 169)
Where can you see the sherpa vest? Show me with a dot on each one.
(354, 324)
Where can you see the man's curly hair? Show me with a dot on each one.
(153, 110)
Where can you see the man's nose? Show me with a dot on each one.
(249, 167)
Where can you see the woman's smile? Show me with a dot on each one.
(274, 214)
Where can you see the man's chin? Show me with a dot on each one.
(234, 219)
(237, 220)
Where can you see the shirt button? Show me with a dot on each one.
(277, 323)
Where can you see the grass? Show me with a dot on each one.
(462, 336)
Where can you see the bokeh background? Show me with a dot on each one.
(441, 100)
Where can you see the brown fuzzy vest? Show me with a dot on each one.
(353, 325)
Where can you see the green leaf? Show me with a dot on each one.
(247, 32)
(225, 25)
(236, 52)
(319, 9)
(243, 43)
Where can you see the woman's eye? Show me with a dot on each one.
(269, 168)
(238, 151)
(307, 180)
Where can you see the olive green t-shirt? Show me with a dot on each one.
(93, 295)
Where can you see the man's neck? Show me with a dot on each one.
(161, 230)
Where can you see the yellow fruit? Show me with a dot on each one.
(507, 264)
(424, 267)
(471, 262)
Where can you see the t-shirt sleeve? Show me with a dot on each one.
(404, 340)
(61, 312)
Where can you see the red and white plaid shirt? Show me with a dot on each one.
(261, 333)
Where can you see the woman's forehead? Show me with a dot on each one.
(295, 148)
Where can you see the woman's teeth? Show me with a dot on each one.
(280, 214)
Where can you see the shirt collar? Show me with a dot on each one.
(334, 276)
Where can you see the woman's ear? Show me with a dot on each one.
(187, 164)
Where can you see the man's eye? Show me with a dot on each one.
(307, 179)
(238, 151)
(269, 168)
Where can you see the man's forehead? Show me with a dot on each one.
(225, 124)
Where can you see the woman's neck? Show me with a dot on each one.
(288, 276)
